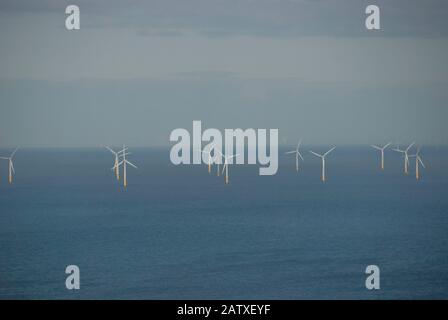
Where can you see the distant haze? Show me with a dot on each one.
(138, 69)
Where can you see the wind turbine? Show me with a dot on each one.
(226, 167)
(116, 167)
(406, 156)
(418, 161)
(382, 152)
(10, 164)
(209, 153)
(218, 160)
(125, 162)
(297, 152)
(322, 156)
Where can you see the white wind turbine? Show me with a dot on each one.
(406, 156)
(297, 152)
(116, 167)
(210, 158)
(218, 161)
(382, 152)
(10, 164)
(125, 162)
(418, 161)
(322, 156)
(226, 166)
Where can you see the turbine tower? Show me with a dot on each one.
(125, 162)
(226, 167)
(418, 161)
(406, 156)
(217, 169)
(297, 152)
(322, 156)
(382, 152)
(10, 164)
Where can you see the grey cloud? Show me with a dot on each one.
(217, 18)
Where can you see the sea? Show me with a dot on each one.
(178, 232)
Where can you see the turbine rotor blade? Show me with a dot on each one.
(115, 153)
(329, 151)
(410, 146)
(125, 154)
(316, 154)
(219, 152)
(421, 161)
(14, 152)
(132, 165)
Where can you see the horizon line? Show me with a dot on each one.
(33, 146)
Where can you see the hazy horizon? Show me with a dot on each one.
(168, 146)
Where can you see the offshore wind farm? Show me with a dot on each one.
(180, 232)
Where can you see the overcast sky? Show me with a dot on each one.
(139, 69)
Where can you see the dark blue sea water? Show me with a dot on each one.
(179, 233)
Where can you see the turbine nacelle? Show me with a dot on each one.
(323, 155)
(381, 148)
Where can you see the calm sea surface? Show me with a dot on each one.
(179, 233)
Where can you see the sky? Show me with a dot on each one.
(136, 70)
